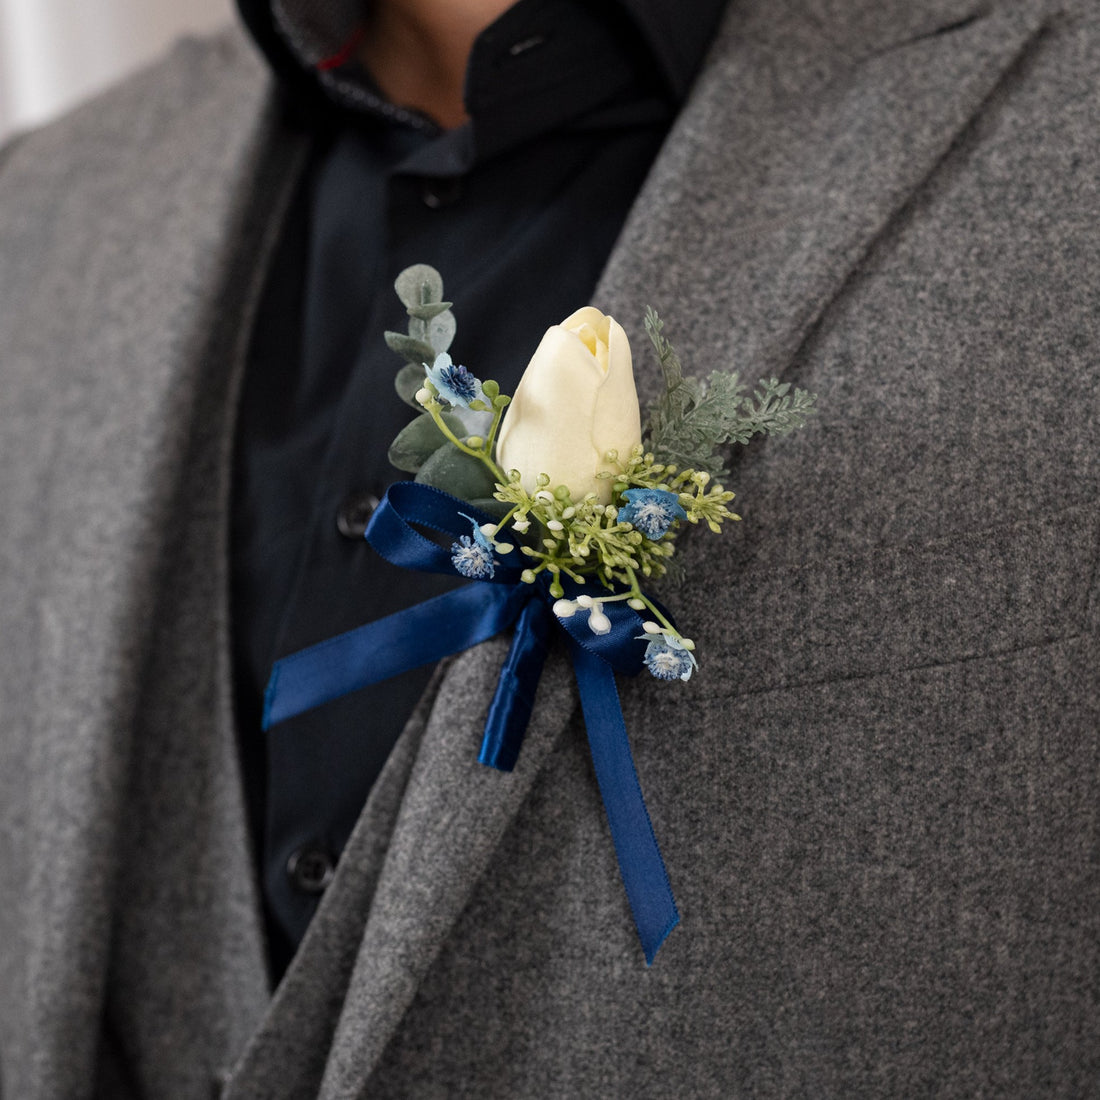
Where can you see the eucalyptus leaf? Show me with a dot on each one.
(419, 440)
(441, 331)
(415, 351)
(408, 380)
(429, 310)
(419, 285)
(457, 473)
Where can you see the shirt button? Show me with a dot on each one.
(310, 869)
(437, 194)
(355, 513)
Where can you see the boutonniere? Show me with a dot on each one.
(562, 510)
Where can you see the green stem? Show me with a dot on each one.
(637, 593)
(490, 439)
(436, 414)
(502, 522)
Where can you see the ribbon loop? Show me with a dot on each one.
(392, 534)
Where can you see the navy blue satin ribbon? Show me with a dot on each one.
(466, 616)
(514, 699)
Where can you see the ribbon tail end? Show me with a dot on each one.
(657, 942)
(493, 757)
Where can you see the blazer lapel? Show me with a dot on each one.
(453, 815)
(806, 134)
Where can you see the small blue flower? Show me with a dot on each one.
(454, 383)
(651, 511)
(472, 555)
(472, 559)
(667, 659)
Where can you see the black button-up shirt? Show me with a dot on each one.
(518, 209)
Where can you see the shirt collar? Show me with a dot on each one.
(310, 42)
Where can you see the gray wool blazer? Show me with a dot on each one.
(878, 800)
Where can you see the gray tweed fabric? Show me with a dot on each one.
(878, 800)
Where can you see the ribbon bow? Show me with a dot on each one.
(471, 614)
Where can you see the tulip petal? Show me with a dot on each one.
(575, 401)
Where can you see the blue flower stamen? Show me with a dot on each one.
(472, 555)
(454, 383)
(667, 658)
(651, 511)
(471, 559)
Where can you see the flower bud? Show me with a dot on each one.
(598, 622)
(575, 403)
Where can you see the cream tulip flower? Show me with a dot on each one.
(575, 402)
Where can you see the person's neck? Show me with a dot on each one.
(417, 51)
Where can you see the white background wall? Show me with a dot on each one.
(54, 53)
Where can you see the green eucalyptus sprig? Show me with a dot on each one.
(431, 329)
(447, 447)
